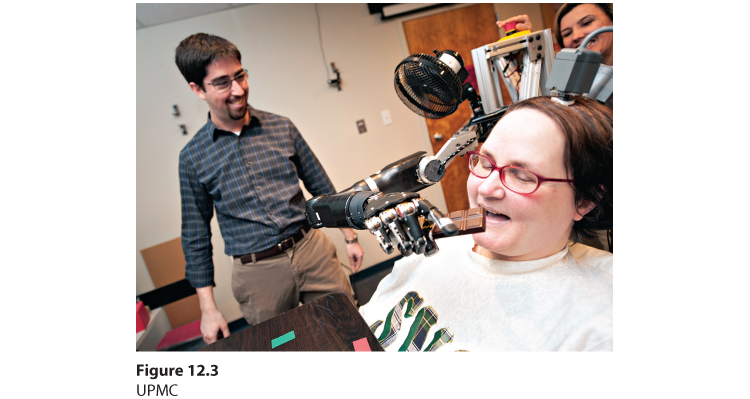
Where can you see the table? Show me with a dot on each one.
(329, 323)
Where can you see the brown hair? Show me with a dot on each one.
(587, 126)
(566, 8)
(198, 51)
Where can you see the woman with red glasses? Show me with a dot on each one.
(544, 176)
(551, 182)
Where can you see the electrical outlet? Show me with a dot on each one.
(361, 126)
(386, 117)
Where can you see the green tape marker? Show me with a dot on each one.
(282, 339)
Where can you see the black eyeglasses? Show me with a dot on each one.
(225, 83)
(518, 180)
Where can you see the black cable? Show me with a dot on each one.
(320, 39)
(507, 65)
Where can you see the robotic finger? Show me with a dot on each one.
(378, 229)
(403, 242)
(437, 217)
(408, 215)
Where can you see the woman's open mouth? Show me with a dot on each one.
(496, 217)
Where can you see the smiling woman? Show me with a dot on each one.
(573, 22)
(518, 285)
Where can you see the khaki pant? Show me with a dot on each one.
(274, 285)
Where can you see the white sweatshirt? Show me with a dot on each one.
(458, 300)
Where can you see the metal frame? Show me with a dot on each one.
(491, 59)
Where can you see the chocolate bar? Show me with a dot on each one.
(468, 221)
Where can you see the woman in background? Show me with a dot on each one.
(573, 22)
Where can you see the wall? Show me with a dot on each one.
(282, 52)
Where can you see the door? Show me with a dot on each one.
(461, 30)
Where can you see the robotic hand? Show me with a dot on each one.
(398, 220)
(394, 220)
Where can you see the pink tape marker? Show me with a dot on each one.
(361, 345)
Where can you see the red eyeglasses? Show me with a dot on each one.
(518, 180)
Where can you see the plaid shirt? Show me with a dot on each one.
(253, 181)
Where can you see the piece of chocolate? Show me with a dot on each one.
(468, 221)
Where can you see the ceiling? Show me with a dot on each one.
(151, 14)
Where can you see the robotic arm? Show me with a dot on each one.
(391, 217)
(386, 203)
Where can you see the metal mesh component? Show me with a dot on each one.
(427, 86)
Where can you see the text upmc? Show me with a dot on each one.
(157, 390)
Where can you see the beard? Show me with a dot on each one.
(238, 114)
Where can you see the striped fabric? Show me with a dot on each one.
(252, 180)
(392, 326)
(426, 318)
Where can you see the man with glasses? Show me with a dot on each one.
(247, 164)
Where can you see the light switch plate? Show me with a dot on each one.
(386, 117)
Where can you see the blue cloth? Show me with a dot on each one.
(253, 181)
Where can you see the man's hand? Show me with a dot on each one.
(211, 319)
(211, 323)
(354, 250)
(522, 22)
(355, 253)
